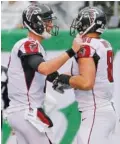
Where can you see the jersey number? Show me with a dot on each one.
(110, 65)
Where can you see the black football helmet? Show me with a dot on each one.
(89, 19)
(34, 18)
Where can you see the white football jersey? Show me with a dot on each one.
(25, 86)
(101, 94)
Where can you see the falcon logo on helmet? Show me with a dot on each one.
(31, 11)
(92, 16)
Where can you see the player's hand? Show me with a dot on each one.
(57, 86)
(61, 83)
(77, 43)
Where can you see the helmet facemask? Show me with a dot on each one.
(74, 27)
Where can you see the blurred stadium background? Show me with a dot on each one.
(65, 114)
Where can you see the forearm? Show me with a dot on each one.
(53, 65)
(81, 82)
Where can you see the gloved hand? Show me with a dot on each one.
(51, 77)
(61, 83)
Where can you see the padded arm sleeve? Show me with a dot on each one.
(32, 60)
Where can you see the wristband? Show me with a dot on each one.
(70, 52)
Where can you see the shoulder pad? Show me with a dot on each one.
(31, 47)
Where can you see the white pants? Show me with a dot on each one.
(98, 127)
(25, 132)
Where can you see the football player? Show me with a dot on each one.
(92, 79)
(27, 74)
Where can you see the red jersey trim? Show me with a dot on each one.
(94, 115)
